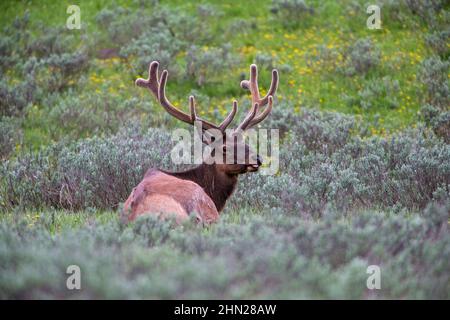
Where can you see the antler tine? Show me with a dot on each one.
(226, 122)
(180, 115)
(252, 85)
(152, 82)
(244, 124)
(192, 108)
(254, 90)
(263, 114)
(273, 87)
(158, 89)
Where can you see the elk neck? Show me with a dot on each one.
(218, 185)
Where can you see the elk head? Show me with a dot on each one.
(236, 156)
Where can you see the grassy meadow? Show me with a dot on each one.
(364, 120)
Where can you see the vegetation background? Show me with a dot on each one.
(365, 158)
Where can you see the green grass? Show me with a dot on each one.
(57, 221)
(333, 26)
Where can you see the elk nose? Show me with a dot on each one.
(259, 160)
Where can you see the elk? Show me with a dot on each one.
(204, 189)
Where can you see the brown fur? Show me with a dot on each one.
(216, 184)
(162, 194)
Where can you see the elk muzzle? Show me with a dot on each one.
(255, 166)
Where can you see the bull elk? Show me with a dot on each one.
(205, 189)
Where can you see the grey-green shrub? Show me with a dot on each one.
(10, 136)
(361, 56)
(155, 33)
(203, 64)
(439, 121)
(101, 172)
(265, 61)
(261, 256)
(240, 25)
(433, 74)
(438, 41)
(291, 13)
(18, 45)
(194, 29)
(155, 44)
(427, 10)
(56, 71)
(52, 41)
(328, 57)
(122, 25)
(46, 62)
(15, 98)
(97, 172)
(317, 130)
(376, 94)
(324, 163)
(78, 115)
(13, 41)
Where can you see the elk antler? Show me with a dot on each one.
(253, 118)
(158, 89)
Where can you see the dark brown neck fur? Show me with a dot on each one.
(217, 185)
